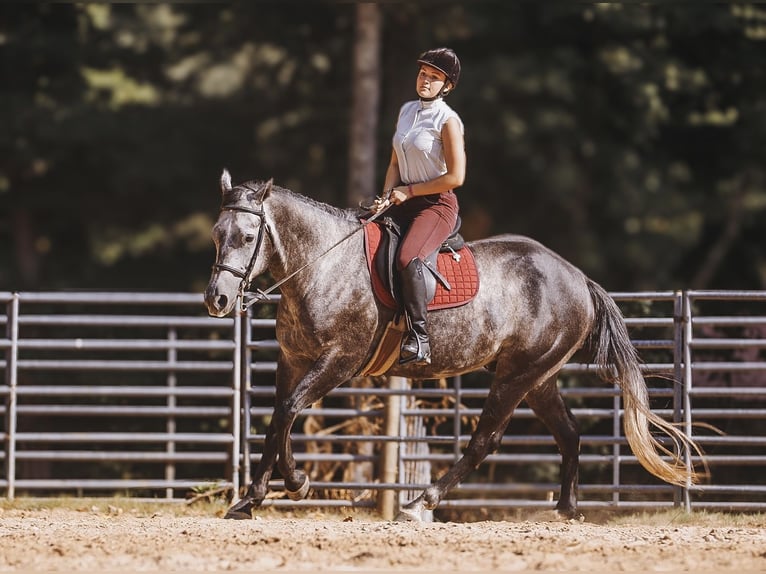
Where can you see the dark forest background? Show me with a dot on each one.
(629, 138)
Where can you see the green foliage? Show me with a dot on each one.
(627, 137)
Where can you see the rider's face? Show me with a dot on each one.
(429, 82)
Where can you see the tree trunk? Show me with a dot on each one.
(365, 100)
(729, 234)
(27, 257)
(363, 127)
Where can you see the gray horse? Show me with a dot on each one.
(532, 312)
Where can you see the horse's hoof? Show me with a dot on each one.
(569, 513)
(409, 515)
(302, 492)
(243, 510)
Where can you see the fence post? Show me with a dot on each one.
(240, 323)
(687, 387)
(390, 467)
(617, 436)
(678, 373)
(170, 425)
(10, 453)
(246, 381)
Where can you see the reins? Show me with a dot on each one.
(249, 298)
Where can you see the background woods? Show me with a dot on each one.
(629, 138)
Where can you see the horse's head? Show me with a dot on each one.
(238, 236)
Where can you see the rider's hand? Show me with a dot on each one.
(400, 194)
(379, 204)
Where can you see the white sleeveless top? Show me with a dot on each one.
(418, 139)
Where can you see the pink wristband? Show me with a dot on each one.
(409, 190)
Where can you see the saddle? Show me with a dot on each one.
(452, 279)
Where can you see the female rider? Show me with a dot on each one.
(427, 163)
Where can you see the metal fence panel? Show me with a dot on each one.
(142, 394)
(134, 393)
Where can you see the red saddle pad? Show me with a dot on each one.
(461, 275)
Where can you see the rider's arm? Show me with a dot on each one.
(454, 157)
(392, 178)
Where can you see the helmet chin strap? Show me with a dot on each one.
(441, 94)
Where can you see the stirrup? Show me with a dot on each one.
(420, 356)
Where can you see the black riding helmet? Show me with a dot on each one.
(444, 60)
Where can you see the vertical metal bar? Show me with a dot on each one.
(240, 348)
(13, 378)
(616, 457)
(247, 358)
(170, 426)
(403, 447)
(456, 427)
(678, 373)
(687, 389)
(617, 437)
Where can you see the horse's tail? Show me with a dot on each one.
(618, 361)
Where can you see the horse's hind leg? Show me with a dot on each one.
(549, 406)
(504, 396)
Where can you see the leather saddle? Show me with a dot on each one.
(451, 280)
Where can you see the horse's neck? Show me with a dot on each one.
(303, 233)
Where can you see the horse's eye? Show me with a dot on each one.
(249, 238)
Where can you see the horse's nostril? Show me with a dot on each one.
(221, 301)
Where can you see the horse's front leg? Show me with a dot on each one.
(288, 373)
(329, 371)
(259, 486)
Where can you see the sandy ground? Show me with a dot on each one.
(110, 538)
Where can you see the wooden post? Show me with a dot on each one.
(387, 505)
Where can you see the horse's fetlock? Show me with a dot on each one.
(493, 442)
(298, 487)
(432, 497)
(566, 510)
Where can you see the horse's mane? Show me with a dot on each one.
(348, 214)
(238, 192)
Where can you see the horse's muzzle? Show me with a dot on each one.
(218, 304)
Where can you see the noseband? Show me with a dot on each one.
(245, 275)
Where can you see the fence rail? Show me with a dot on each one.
(142, 394)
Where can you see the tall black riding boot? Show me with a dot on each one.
(416, 346)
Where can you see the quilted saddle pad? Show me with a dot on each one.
(461, 275)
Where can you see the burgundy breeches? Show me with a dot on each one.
(426, 222)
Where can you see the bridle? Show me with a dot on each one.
(244, 276)
(258, 294)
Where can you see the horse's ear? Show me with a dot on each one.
(267, 188)
(225, 181)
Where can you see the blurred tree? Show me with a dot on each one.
(625, 136)
(365, 88)
(615, 133)
(122, 116)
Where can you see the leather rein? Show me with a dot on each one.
(248, 298)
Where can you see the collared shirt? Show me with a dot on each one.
(418, 139)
